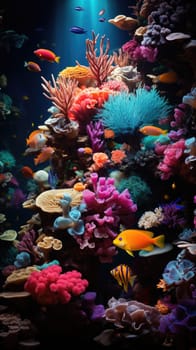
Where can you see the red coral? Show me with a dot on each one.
(172, 155)
(50, 286)
(87, 103)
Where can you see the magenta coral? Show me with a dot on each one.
(50, 286)
(106, 210)
(171, 157)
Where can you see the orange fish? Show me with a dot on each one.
(135, 239)
(32, 66)
(170, 77)
(124, 276)
(44, 155)
(152, 130)
(47, 55)
(27, 172)
(36, 140)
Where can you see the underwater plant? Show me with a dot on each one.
(125, 113)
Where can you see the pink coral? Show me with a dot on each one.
(50, 286)
(106, 210)
(171, 158)
(87, 103)
(138, 52)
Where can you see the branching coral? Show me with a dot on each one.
(106, 210)
(101, 66)
(61, 93)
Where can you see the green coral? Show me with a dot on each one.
(140, 191)
(7, 159)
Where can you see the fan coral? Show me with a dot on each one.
(101, 66)
(50, 286)
(61, 93)
(125, 113)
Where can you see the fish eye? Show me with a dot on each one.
(120, 238)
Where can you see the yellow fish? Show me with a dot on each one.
(124, 276)
(151, 130)
(135, 239)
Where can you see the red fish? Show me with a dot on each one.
(44, 155)
(47, 55)
(27, 172)
(32, 66)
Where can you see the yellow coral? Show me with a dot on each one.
(79, 72)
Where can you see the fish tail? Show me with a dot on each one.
(159, 241)
(132, 280)
(57, 59)
(36, 160)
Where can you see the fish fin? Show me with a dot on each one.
(159, 241)
(125, 287)
(165, 132)
(154, 78)
(57, 59)
(129, 252)
(149, 248)
(149, 233)
(132, 280)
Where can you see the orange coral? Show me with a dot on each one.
(109, 134)
(87, 102)
(100, 159)
(118, 155)
(162, 308)
(81, 73)
(162, 284)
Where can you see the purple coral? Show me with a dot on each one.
(95, 131)
(106, 210)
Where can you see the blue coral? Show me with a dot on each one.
(177, 272)
(125, 113)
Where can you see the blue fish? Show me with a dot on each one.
(102, 19)
(77, 30)
(79, 8)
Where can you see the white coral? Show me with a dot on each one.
(151, 218)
